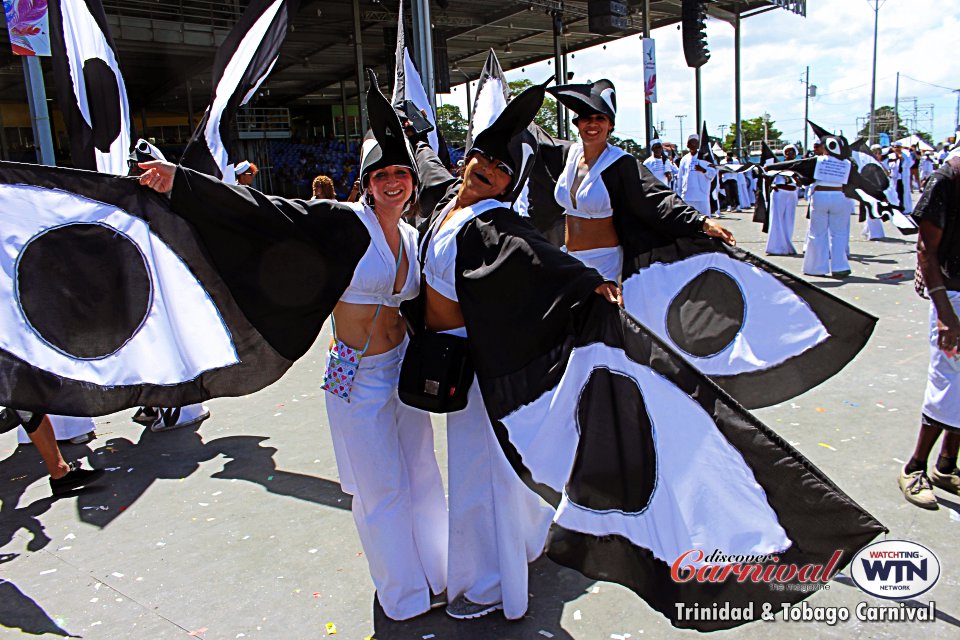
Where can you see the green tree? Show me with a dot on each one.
(926, 137)
(452, 124)
(883, 123)
(547, 116)
(752, 130)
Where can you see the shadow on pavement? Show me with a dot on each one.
(173, 455)
(19, 611)
(551, 587)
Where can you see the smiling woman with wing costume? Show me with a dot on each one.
(384, 449)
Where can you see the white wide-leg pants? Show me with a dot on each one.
(497, 525)
(386, 460)
(828, 238)
(783, 212)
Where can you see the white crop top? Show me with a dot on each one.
(593, 201)
(374, 277)
(440, 258)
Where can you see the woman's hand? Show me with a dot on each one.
(716, 230)
(158, 175)
(610, 293)
(948, 333)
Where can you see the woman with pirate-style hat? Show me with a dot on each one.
(615, 209)
(497, 524)
(384, 449)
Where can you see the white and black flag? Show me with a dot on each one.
(242, 63)
(493, 94)
(759, 332)
(407, 84)
(110, 300)
(643, 457)
(90, 88)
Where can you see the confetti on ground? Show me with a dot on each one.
(312, 551)
(66, 548)
(826, 446)
(198, 631)
(316, 594)
(331, 628)
(69, 536)
(216, 493)
(577, 615)
(545, 634)
(595, 590)
(426, 637)
(269, 478)
(161, 544)
(43, 573)
(899, 461)
(94, 599)
(821, 410)
(93, 624)
(116, 574)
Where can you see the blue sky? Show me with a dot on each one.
(835, 40)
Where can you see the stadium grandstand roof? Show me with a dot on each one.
(165, 45)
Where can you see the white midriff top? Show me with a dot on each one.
(440, 258)
(591, 199)
(374, 278)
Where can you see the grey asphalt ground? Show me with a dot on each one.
(240, 529)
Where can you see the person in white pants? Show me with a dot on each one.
(828, 237)
(695, 178)
(783, 210)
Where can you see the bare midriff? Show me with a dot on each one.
(443, 313)
(355, 322)
(590, 233)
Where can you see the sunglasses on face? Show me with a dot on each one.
(497, 164)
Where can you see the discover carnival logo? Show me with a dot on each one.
(895, 569)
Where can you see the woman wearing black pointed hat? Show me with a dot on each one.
(497, 524)
(384, 449)
(615, 210)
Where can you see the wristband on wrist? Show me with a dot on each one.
(935, 289)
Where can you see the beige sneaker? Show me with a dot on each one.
(947, 481)
(917, 489)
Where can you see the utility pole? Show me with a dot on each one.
(682, 141)
(806, 113)
(957, 125)
(896, 110)
(873, 86)
(722, 128)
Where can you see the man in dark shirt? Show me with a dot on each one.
(938, 247)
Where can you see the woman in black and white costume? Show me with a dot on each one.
(615, 209)
(384, 449)
(497, 524)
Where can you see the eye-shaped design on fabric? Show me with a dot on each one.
(649, 443)
(763, 335)
(98, 86)
(95, 296)
(724, 315)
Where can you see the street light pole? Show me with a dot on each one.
(680, 118)
(873, 86)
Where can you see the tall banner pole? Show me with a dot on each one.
(39, 115)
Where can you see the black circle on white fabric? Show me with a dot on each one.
(103, 100)
(707, 314)
(84, 288)
(616, 462)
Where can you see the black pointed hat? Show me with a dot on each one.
(386, 143)
(508, 139)
(705, 152)
(588, 99)
(836, 146)
(766, 153)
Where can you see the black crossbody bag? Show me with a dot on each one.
(437, 371)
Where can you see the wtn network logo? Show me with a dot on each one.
(895, 569)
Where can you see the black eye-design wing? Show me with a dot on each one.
(110, 300)
(753, 328)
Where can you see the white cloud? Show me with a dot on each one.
(835, 40)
